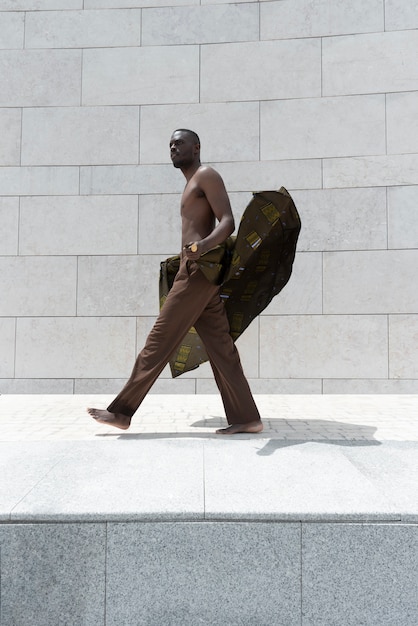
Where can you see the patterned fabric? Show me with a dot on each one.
(252, 268)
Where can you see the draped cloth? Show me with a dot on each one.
(251, 269)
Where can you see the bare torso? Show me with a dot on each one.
(203, 203)
(197, 216)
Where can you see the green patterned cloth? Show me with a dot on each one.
(252, 268)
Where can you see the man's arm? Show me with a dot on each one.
(213, 187)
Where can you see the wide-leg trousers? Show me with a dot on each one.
(192, 301)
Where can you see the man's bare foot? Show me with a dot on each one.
(234, 429)
(110, 419)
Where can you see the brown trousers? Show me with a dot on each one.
(192, 301)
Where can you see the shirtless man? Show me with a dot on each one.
(192, 301)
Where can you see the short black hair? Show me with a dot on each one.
(192, 134)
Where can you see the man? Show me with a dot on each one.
(192, 301)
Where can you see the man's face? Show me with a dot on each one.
(182, 149)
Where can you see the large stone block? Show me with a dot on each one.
(400, 14)
(10, 132)
(359, 574)
(164, 482)
(39, 181)
(38, 285)
(342, 219)
(228, 131)
(83, 29)
(7, 340)
(370, 386)
(23, 386)
(402, 122)
(159, 224)
(80, 136)
(9, 219)
(322, 127)
(371, 171)
(151, 584)
(39, 5)
(257, 175)
(403, 217)
(118, 285)
(261, 70)
(12, 29)
(317, 18)
(106, 4)
(92, 225)
(75, 347)
(129, 179)
(377, 281)
(303, 294)
(403, 341)
(129, 75)
(372, 63)
(327, 346)
(40, 78)
(47, 574)
(200, 25)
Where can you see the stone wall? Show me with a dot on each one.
(320, 96)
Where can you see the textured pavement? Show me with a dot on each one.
(294, 417)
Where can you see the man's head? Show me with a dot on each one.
(184, 148)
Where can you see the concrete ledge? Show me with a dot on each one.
(188, 528)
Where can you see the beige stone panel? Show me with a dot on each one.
(275, 386)
(258, 176)
(377, 281)
(403, 217)
(401, 15)
(75, 347)
(9, 220)
(36, 386)
(64, 225)
(228, 131)
(372, 63)
(377, 171)
(83, 29)
(159, 224)
(342, 219)
(40, 78)
(199, 25)
(248, 348)
(10, 132)
(136, 4)
(303, 293)
(39, 181)
(80, 136)
(288, 19)
(38, 285)
(402, 122)
(323, 346)
(403, 346)
(151, 75)
(7, 344)
(12, 26)
(118, 285)
(249, 69)
(39, 5)
(371, 386)
(129, 179)
(322, 127)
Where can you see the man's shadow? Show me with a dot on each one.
(283, 433)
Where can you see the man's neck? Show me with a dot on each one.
(190, 171)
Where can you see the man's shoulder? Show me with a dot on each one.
(208, 173)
